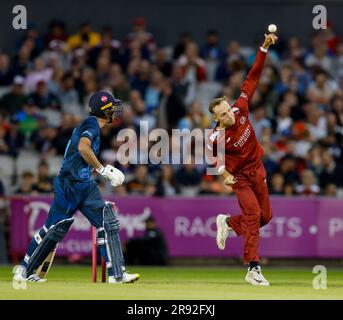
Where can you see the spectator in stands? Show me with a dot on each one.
(287, 167)
(332, 172)
(331, 38)
(150, 249)
(39, 72)
(171, 108)
(13, 101)
(68, 96)
(261, 124)
(212, 184)
(231, 62)
(282, 85)
(32, 39)
(65, 131)
(139, 109)
(6, 72)
(180, 85)
(27, 185)
(108, 45)
(283, 120)
(330, 190)
(211, 51)
(139, 33)
(43, 98)
(44, 179)
(4, 123)
(308, 187)
(28, 119)
(17, 138)
(319, 58)
(166, 184)
(193, 67)
(184, 39)
(322, 89)
(86, 38)
(289, 189)
(141, 184)
(5, 142)
(294, 49)
(188, 178)
(153, 92)
(277, 184)
(45, 140)
(316, 121)
(302, 137)
(162, 63)
(195, 118)
(22, 59)
(2, 189)
(337, 62)
(56, 36)
(119, 84)
(141, 80)
(102, 68)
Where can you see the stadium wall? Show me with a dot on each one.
(167, 19)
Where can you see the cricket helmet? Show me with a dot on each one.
(103, 104)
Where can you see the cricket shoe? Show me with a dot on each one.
(127, 278)
(223, 230)
(256, 278)
(19, 273)
(35, 278)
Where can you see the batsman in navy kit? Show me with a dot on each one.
(74, 189)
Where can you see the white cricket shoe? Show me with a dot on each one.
(256, 278)
(127, 278)
(35, 278)
(222, 230)
(19, 274)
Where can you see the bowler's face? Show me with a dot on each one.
(224, 115)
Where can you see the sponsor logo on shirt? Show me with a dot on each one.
(243, 120)
(243, 138)
(87, 132)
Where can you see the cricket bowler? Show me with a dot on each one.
(74, 189)
(243, 168)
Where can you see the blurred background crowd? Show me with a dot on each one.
(297, 111)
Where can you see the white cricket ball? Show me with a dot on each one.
(272, 28)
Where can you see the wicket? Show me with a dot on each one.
(95, 258)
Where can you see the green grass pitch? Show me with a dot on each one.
(74, 282)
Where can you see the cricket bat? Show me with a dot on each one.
(44, 268)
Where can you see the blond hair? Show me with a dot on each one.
(215, 102)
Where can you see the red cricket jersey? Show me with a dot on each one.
(241, 146)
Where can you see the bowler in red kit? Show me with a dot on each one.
(243, 168)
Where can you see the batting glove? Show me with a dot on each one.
(111, 173)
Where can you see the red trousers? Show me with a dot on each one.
(252, 192)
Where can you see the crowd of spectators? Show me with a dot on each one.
(297, 110)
